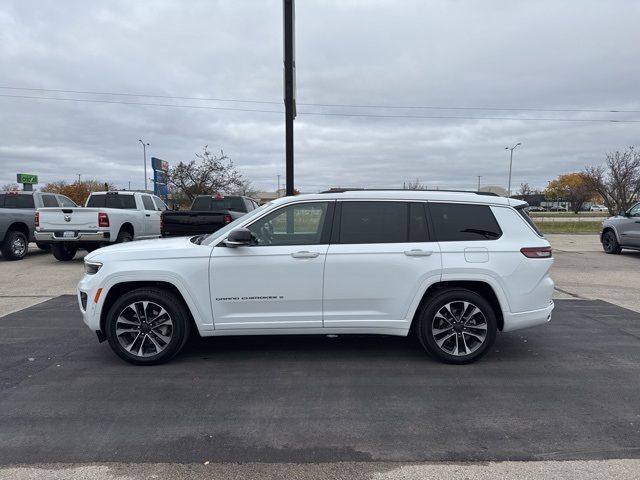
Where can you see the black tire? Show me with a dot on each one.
(482, 321)
(64, 251)
(15, 245)
(45, 247)
(177, 312)
(123, 236)
(610, 243)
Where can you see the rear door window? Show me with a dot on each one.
(49, 201)
(148, 203)
(459, 222)
(66, 202)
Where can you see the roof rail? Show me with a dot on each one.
(342, 190)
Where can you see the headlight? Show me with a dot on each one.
(91, 268)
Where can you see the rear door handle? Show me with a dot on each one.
(147, 214)
(416, 252)
(305, 254)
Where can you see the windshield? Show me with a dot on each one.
(226, 229)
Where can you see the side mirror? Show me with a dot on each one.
(239, 237)
(622, 213)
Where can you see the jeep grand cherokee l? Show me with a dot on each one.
(459, 267)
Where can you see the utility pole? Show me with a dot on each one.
(79, 175)
(129, 184)
(479, 177)
(144, 154)
(289, 87)
(510, 166)
(278, 191)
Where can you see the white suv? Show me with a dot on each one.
(453, 267)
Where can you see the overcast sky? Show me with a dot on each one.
(490, 54)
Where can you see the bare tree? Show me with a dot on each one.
(618, 181)
(246, 188)
(414, 185)
(525, 189)
(10, 187)
(208, 175)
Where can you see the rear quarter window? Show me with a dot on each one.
(459, 222)
(522, 210)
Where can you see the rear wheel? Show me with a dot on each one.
(63, 251)
(123, 236)
(147, 326)
(15, 245)
(610, 243)
(457, 326)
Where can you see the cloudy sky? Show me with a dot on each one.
(468, 58)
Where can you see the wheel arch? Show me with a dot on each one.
(19, 227)
(610, 228)
(127, 227)
(120, 288)
(480, 287)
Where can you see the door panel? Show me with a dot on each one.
(379, 259)
(629, 228)
(373, 285)
(267, 286)
(277, 282)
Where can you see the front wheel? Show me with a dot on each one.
(63, 251)
(457, 326)
(610, 243)
(147, 326)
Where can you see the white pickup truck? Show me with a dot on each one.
(107, 218)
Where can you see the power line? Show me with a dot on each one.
(327, 105)
(331, 114)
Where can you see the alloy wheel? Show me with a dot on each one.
(459, 328)
(18, 246)
(144, 328)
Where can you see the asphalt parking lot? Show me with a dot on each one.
(564, 392)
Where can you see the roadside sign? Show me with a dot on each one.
(158, 164)
(27, 179)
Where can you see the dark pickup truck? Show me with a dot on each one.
(208, 213)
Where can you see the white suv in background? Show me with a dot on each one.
(453, 267)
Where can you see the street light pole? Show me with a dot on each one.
(479, 177)
(510, 166)
(144, 154)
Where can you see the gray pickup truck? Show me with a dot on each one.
(18, 217)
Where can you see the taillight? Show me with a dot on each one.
(162, 222)
(227, 218)
(103, 219)
(537, 252)
(37, 221)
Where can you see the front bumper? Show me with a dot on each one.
(532, 318)
(57, 236)
(89, 308)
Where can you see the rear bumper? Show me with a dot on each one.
(56, 236)
(532, 318)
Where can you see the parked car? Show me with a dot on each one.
(621, 231)
(598, 208)
(458, 267)
(557, 208)
(109, 217)
(208, 213)
(17, 220)
(537, 208)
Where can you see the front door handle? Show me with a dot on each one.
(305, 254)
(147, 214)
(416, 252)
